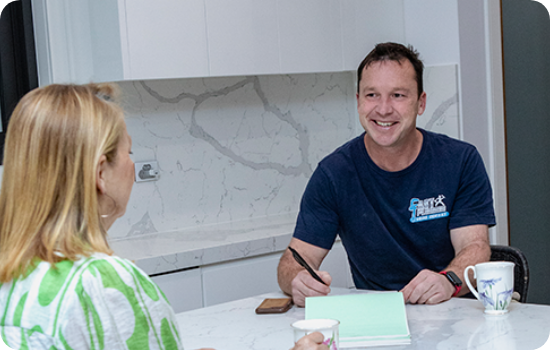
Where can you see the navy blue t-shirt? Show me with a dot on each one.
(394, 224)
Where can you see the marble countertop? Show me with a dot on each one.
(170, 251)
(455, 324)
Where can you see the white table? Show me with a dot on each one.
(455, 324)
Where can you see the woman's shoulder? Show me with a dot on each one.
(111, 269)
(102, 259)
(119, 273)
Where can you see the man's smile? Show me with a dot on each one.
(384, 124)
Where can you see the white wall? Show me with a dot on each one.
(482, 97)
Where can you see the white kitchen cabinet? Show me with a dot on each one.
(240, 279)
(257, 275)
(366, 23)
(243, 37)
(310, 36)
(226, 281)
(163, 39)
(80, 41)
(273, 36)
(183, 289)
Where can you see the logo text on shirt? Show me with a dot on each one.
(428, 209)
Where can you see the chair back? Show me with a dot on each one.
(521, 270)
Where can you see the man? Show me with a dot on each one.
(412, 207)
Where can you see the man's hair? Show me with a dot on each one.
(393, 52)
(49, 199)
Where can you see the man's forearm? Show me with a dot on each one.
(286, 271)
(293, 278)
(474, 253)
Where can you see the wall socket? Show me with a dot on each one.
(146, 171)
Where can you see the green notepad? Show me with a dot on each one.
(366, 319)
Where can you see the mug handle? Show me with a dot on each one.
(472, 289)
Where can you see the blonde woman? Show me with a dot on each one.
(67, 177)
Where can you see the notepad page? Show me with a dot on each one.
(376, 315)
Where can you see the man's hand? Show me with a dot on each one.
(471, 245)
(294, 280)
(428, 287)
(313, 341)
(303, 285)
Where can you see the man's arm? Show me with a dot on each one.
(474, 250)
(294, 280)
(471, 245)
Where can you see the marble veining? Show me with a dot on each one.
(230, 149)
(442, 106)
(198, 132)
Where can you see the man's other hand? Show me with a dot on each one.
(428, 287)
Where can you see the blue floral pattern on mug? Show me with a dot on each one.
(489, 283)
(497, 301)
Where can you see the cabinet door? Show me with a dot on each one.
(242, 37)
(165, 39)
(310, 36)
(366, 23)
(182, 289)
(240, 279)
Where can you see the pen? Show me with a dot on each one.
(304, 264)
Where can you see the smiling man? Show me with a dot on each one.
(412, 207)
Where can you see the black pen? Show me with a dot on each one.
(304, 264)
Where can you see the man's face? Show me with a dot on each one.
(388, 104)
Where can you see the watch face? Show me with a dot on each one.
(453, 278)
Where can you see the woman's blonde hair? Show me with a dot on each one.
(49, 198)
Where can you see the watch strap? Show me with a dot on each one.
(458, 287)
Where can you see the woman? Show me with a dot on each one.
(67, 177)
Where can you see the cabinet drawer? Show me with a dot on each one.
(183, 289)
(240, 279)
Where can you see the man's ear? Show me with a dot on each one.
(422, 103)
(101, 172)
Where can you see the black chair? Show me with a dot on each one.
(521, 270)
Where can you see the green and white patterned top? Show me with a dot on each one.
(99, 302)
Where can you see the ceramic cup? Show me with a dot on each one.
(495, 285)
(328, 327)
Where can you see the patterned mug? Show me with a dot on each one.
(495, 285)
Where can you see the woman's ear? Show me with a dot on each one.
(101, 173)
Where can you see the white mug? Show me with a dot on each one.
(495, 285)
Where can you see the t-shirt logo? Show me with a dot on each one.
(428, 209)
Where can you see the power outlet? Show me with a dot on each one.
(146, 171)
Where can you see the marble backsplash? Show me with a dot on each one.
(240, 148)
